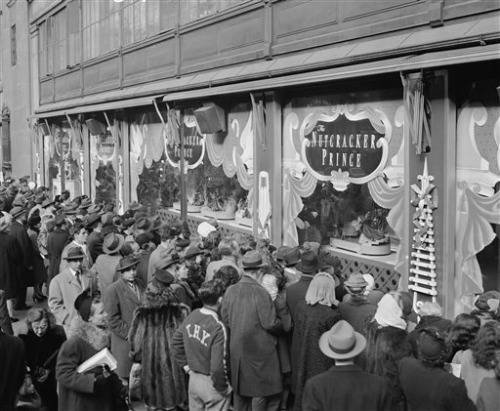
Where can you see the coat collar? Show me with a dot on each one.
(94, 336)
(127, 291)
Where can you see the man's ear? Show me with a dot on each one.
(220, 300)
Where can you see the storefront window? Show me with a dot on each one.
(343, 169)
(221, 185)
(478, 182)
(103, 153)
(65, 159)
(153, 180)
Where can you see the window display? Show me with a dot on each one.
(65, 160)
(103, 155)
(342, 169)
(219, 184)
(153, 180)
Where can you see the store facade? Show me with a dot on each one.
(390, 162)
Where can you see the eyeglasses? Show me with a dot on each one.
(41, 327)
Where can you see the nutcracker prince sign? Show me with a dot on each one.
(345, 145)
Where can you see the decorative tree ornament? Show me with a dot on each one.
(423, 259)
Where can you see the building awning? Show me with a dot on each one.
(406, 63)
(454, 43)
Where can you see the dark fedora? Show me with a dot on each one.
(163, 276)
(280, 253)
(94, 208)
(126, 263)
(40, 198)
(47, 202)
(341, 342)
(75, 253)
(143, 223)
(192, 251)
(252, 260)
(157, 223)
(92, 219)
(70, 209)
(134, 206)
(292, 257)
(182, 242)
(112, 243)
(171, 260)
(86, 203)
(17, 211)
(309, 263)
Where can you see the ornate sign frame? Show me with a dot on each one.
(341, 179)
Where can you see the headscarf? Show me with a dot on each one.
(389, 313)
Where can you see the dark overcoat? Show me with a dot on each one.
(56, 241)
(11, 256)
(346, 388)
(12, 370)
(42, 352)
(76, 390)
(120, 303)
(253, 323)
(432, 389)
(39, 271)
(297, 292)
(24, 270)
(307, 359)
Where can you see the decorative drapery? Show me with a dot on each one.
(392, 199)
(294, 188)
(476, 213)
(478, 204)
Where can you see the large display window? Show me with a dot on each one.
(65, 154)
(219, 167)
(153, 180)
(478, 183)
(343, 169)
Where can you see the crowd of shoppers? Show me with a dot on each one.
(210, 321)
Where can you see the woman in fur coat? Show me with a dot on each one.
(163, 382)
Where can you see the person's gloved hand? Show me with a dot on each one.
(100, 384)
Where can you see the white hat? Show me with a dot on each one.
(204, 229)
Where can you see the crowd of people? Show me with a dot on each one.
(209, 321)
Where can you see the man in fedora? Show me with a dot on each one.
(106, 263)
(95, 238)
(67, 285)
(56, 241)
(253, 320)
(25, 269)
(120, 301)
(345, 386)
(308, 266)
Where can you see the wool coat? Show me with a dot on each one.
(432, 389)
(42, 352)
(120, 303)
(12, 369)
(76, 390)
(307, 359)
(297, 292)
(11, 256)
(163, 381)
(94, 244)
(56, 241)
(5, 322)
(39, 271)
(253, 323)
(64, 289)
(24, 269)
(346, 388)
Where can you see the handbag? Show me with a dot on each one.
(28, 397)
